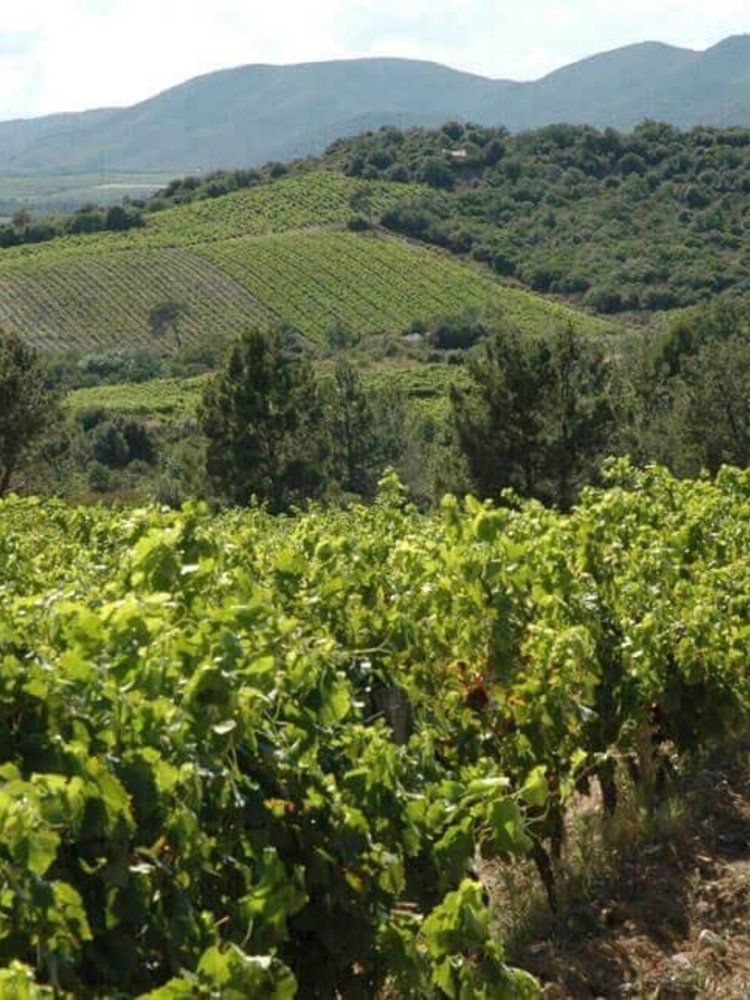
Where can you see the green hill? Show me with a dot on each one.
(648, 220)
(280, 250)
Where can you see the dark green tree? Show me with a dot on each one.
(263, 419)
(168, 315)
(582, 419)
(681, 398)
(501, 421)
(28, 404)
(366, 431)
(362, 202)
(538, 417)
(717, 403)
(437, 172)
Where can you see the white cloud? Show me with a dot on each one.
(68, 54)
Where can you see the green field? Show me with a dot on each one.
(164, 397)
(424, 386)
(65, 192)
(277, 251)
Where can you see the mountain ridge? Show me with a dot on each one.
(246, 115)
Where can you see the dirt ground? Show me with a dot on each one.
(666, 915)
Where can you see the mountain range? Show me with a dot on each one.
(253, 114)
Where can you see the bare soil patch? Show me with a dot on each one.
(652, 905)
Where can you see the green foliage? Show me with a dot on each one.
(538, 416)
(123, 440)
(501, 424)
(88, 219)
(716, 403)
(156, 397)
(200, 788)
(28, 406)
(646, 220)
(366, 430)
(682, 394)
(262, 416)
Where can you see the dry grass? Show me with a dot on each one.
(640, 896)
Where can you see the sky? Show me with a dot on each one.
(67, 55)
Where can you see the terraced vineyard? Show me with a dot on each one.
(311, 200)
(279, 250)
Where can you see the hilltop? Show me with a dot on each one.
(253, 114)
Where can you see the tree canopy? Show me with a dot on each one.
(538, 415)
(263, 419)
(28, 404)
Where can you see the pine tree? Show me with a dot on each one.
(537, 417)
(501, 420)
(28, 405)
(262, 417)
(366, 429)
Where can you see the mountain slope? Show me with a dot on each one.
(279, 251)
(253, 114)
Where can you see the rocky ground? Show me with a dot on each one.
(656, 907)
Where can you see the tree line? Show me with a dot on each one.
(24, 228)
(534, 414)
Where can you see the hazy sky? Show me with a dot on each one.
(66, 55)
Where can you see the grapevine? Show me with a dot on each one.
(204, 786)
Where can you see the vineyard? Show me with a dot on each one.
(102, 301)
(309, 201)
(425, 386)
(279, 250)
(247, 756)
(370, 283)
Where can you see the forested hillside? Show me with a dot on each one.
(644, 221)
